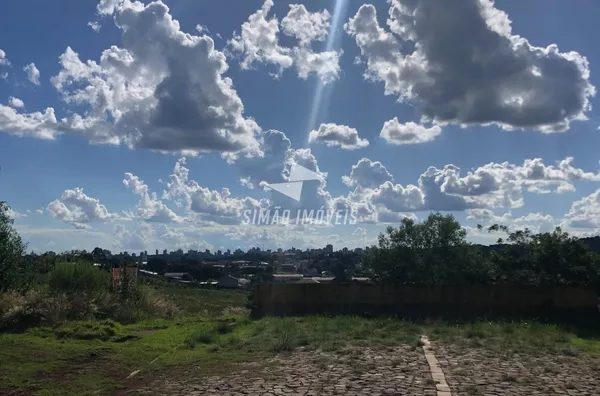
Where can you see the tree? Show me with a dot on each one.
(432, 252)
(340, 274)
(13, 269)
(157, 264)
(550, 258)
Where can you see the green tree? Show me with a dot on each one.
(340, 274)
(550, 258)
(14, 273)
(432, 252)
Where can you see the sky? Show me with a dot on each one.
(160, 125)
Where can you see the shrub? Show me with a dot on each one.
(78, 277)
(19, 312)
(205, 336)
(106, 330)
(283, 343)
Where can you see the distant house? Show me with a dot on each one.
(288, 268)
(176, 276)
(142, 272)
(287, 277)
(228, 282)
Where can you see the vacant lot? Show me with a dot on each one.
(214, 347)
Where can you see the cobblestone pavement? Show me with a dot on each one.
(471, 372)
(393, 371)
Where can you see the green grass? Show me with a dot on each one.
(207, 302)
(526, 337)
(213, 335)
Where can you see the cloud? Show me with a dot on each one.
(275, 165)
(108, 7)
(33, 74)
(503, 183)
(394, 132)
(334, 135)
(202, 203)
(397, 198)
(3, 59)
(95, 26)
(39, 125)
(141, 238)
(76, 208)
(584, 213)
(164, 90)
(149, 207)
(13, 214)
(179, 239)
(15, 102)
(536, 222)
(462, 65)
(258, 42)
(494, 185)
(367, 174)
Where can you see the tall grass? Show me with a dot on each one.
(80, 291)
(78, 277)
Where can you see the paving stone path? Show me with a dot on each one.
(434, 370)
(399, 370)
(471, 372)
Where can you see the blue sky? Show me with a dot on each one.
(484, 110)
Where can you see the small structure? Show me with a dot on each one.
(176, 277)
(118, 275)
(287, 277)
(228, 282)
(142, 272)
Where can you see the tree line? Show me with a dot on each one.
(433, 252)
(436, 252)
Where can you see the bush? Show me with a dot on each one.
(78, 277)
(19, 312)
(106, 330)
(205, 336)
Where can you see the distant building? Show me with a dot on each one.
(175, 275)
(288, 268)
(231, 282)
(287, 277)
(329, 249)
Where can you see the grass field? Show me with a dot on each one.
(214, 333)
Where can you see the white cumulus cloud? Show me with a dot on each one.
(15, 102)
(258, 42)
(76, 208)
(395, 132)
(334, 135)
(33, 74)
(461, 64)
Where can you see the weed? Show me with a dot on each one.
(199, 337)
(283, 343)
